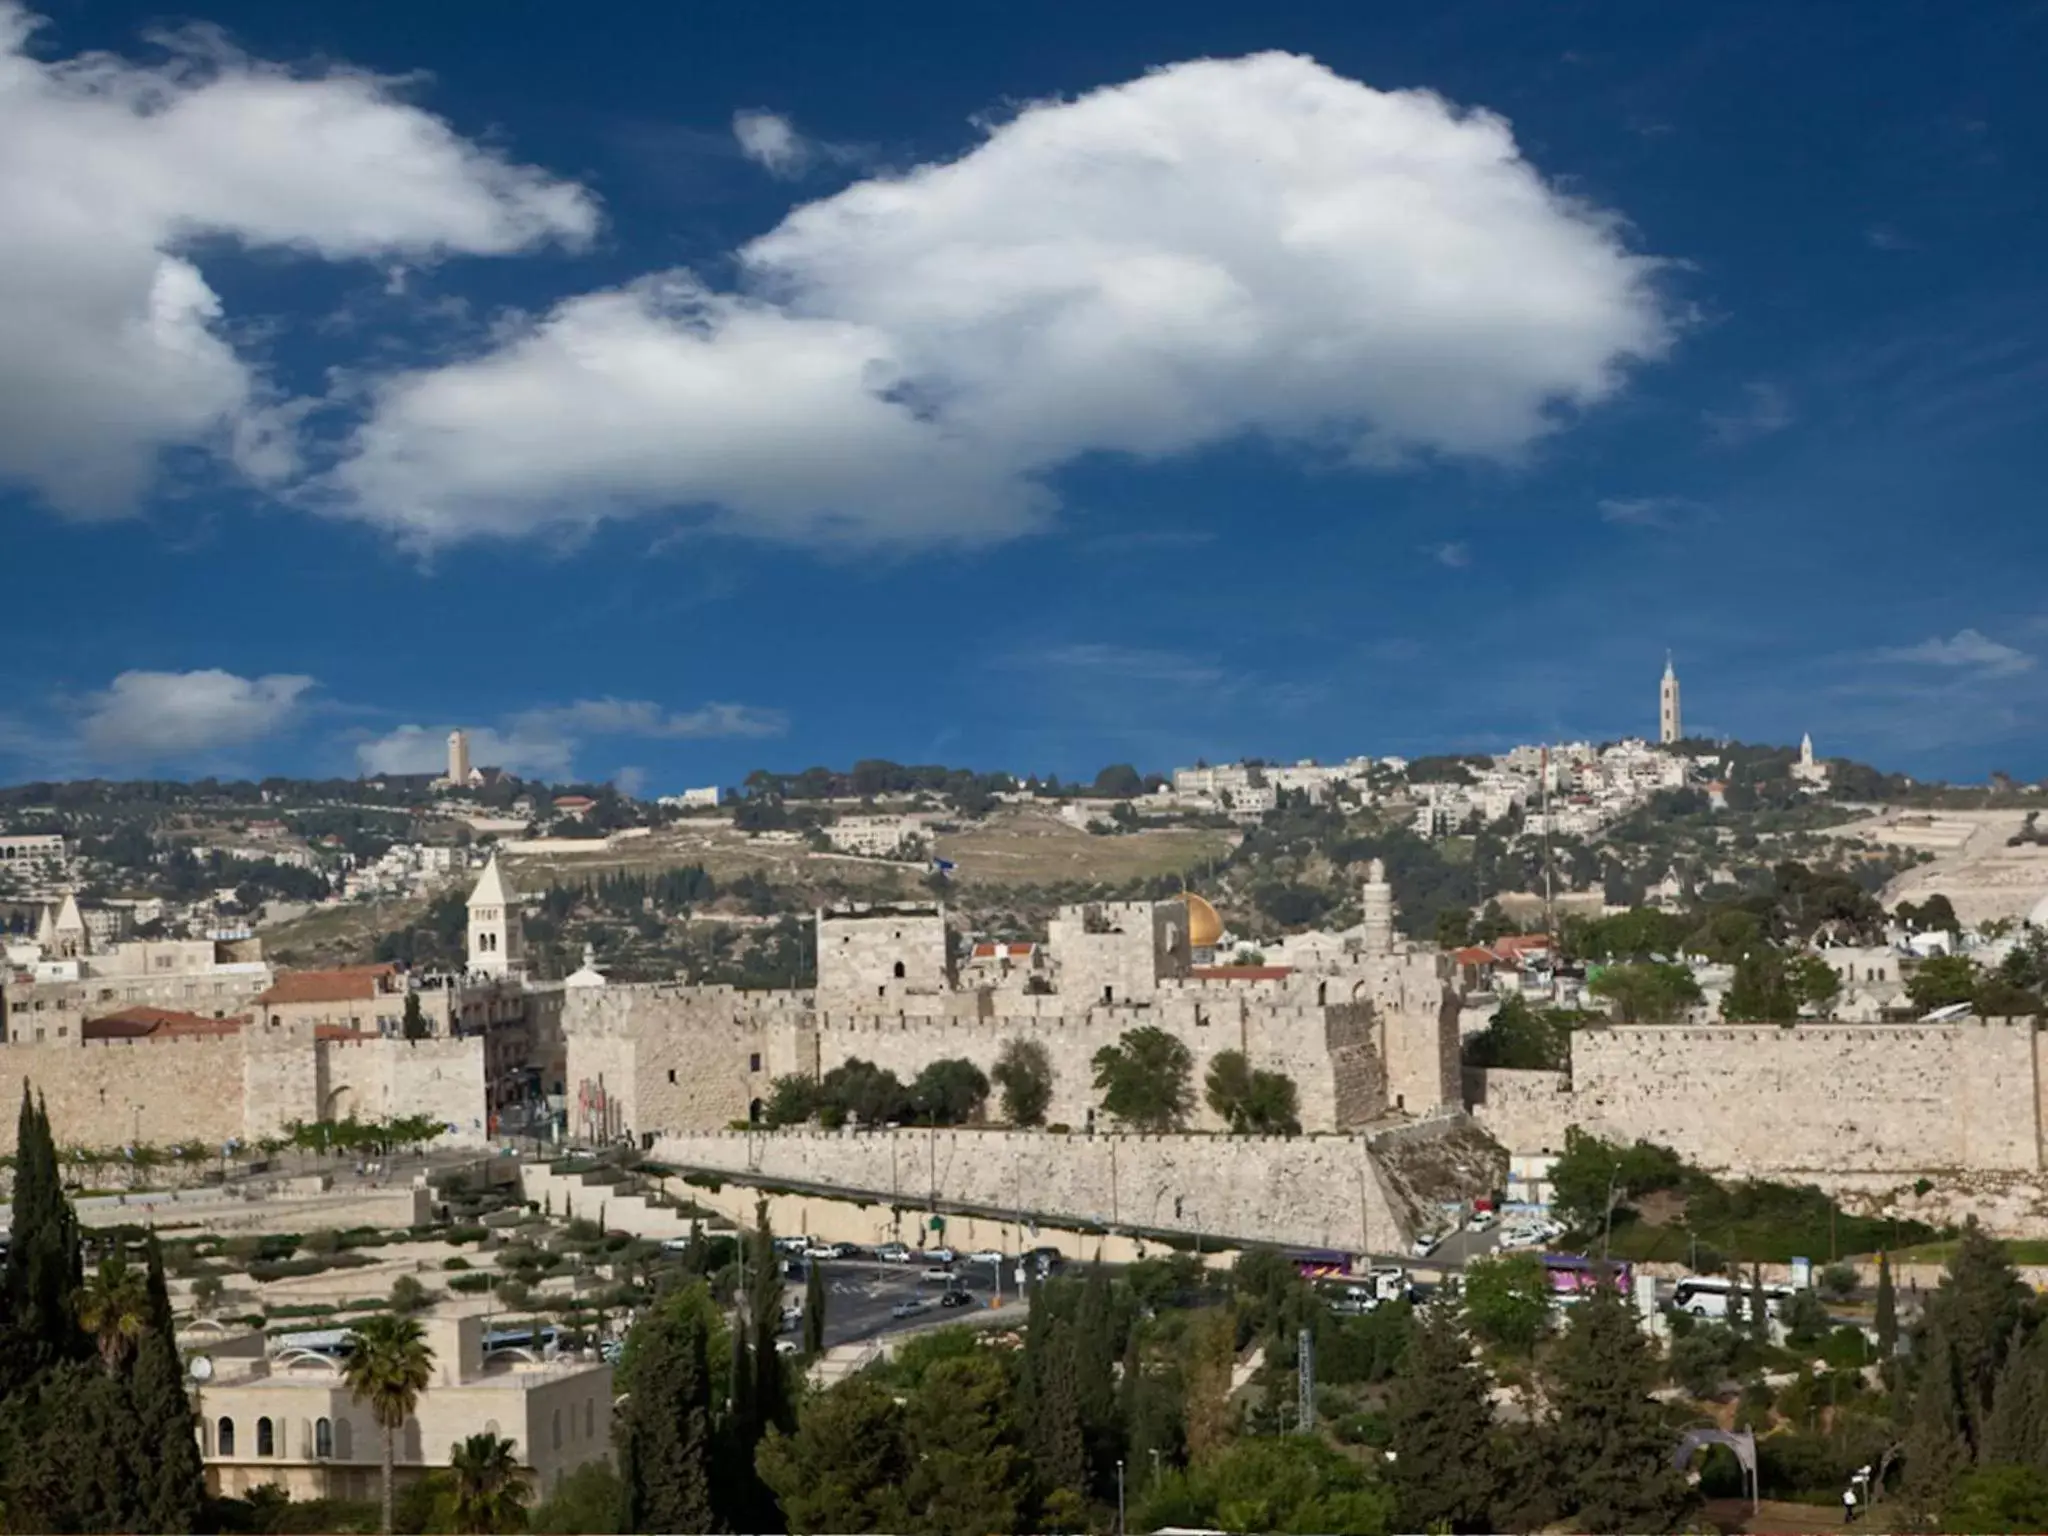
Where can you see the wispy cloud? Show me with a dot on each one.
(1763, 409)
(1967, 650)
(1884, 237)
(771, 141)
(1150, 538)
(1130, 663)
(1457, 554)
(1664, 512)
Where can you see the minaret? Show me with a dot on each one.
(458, 758)
(1378, 902)
(1669, 726)
(495, 941)
(1806, 751)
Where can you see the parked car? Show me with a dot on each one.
(957, 1299)
(904, 1309)
(893, 1253)
(825, 1251)
(941, 1254)
(788, 1245)
(988, 1256)
(938, 1274)
(1479, 1221)
(1425, 1245)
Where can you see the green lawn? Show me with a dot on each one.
(2020, 1250)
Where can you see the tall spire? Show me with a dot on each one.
(1670, 725)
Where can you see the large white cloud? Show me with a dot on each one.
(112, 173)
(1222, 247)
(180, 717)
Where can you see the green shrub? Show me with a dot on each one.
(470, 1284)
(474, 1233)
(458, 1262)
(323, 1242)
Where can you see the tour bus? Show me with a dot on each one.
(1574, 1275)
(1321, 1264)
(1707, 1295)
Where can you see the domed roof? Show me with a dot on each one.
(1204, 926)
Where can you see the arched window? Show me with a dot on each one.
(558, 1429)
(899, 970)
(323, 1437)
(266, 1438)
(224, 1437)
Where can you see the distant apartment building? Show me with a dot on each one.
(705, 799)
(876, 837)
(28, 855)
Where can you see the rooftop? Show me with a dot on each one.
(346, 984)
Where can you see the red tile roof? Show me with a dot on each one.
(145, 1023)
(348, 984)
(992, 951)
(1474, 954)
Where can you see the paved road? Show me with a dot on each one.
(860, 1295)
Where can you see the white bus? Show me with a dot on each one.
(1707, 1295)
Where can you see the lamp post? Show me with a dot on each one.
(1120, 1496)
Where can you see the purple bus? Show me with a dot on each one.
(1572, 1274)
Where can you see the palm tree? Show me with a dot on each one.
(113, 1306)
(387, 1369)
(490, 1487)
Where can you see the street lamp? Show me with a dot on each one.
(1119, 1496)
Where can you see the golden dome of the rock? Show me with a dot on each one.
(1205, 928)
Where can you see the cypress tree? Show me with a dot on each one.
(1612, 1444)
(814, 1312)
(44, 1267)
(1060, 1445)
(1095, 1357)
(2016, 1431)
(771, 1405)
(1887, 1312)
(665, 1428)
(1936, 1452)
(1759, 1306)
(1978, 1304)
(171, 1478)
(1442, 1429)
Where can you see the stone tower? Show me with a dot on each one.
(458, 758)
(1670, 727)
(1378, 902)
(496, 946)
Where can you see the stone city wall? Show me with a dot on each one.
(1308, 1192)
(114, 1092)
(1290, 1040)
(389, 1079)
(1523, 1111)
(1806, 1099)
(110, 1093)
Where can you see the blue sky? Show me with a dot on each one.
(1026, 387)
